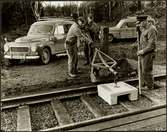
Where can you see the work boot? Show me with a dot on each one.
(154, 87)
(78, 72)
(86, 63)
(144, 88)
(72, 75)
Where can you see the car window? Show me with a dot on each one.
(59, 30)
(131, 24)
(120, 24)
(66, 28)
(124, 25)
(40, 29)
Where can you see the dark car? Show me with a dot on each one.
(126, 28)
(44, 39)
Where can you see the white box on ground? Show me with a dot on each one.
(110, 92)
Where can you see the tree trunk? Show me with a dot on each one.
(104, 39)
(109, 10)
(139, 5)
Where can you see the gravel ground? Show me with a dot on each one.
(105, 107)
(29, 77)
(156, 127)
(161, 92)
(159, 69)
(42, 116)
(142, 102)
(9, 120)
(77, 110)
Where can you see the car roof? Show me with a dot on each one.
(130, 19)
(54, 22)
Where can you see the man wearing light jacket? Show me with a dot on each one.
(73, 36)
(148, 42)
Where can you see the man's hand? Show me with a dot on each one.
(90, 42)
(140, 52)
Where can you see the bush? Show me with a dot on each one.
(15, 13)
(2, 42)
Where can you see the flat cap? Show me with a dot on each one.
(150, 19)
(81, 19)
(141, 18)
(75, 16)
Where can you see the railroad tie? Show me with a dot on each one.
(152, 97)
(60, 112)
(23, 119)
(128, 106)
(92, 106)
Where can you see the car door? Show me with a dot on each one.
(123, 31)
(60, 35)
(131, 30)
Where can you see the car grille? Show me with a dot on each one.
(19, 49)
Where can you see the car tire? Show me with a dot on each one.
(45, 56)
(110, 37)
(11, 62)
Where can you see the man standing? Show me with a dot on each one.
(148, 42)
(93, 31)
(73, 35)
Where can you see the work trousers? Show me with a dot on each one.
(147, 70)
(88, 52)
(72, 53)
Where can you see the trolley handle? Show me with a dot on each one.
(113, 71)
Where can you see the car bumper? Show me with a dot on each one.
(21, 57)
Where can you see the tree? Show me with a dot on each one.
(37, 9)
(15, 13)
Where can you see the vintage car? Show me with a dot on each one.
(126, 28)
(44, 39)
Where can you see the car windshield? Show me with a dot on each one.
(40, 29)
(120, 24)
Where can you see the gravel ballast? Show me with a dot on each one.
(142, 102)
(42, 116)
(106, 108)
(9, 120)
(77, 110)
(160, 93)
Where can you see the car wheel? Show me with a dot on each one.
(45, 56)
(110, 37)
(10, 62)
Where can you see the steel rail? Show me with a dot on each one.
(109, 122)
(47, 96)
(86, 125)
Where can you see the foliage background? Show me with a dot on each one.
(19, 14)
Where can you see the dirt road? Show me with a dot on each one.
(17, 80)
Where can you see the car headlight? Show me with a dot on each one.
(6, 47)
(33, 48)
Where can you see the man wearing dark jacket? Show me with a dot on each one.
(148, 42)
(93, 30)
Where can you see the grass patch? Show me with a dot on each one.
(128, 50)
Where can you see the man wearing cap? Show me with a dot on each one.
(74, 34)
(93, 30)
(148, 40)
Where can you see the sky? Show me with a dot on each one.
(60, 3)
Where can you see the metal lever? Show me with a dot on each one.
(113, 71)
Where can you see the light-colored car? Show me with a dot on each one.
(126, 28)
(44, 39)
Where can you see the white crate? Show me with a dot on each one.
(110, 92)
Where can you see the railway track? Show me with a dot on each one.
(80, 109)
